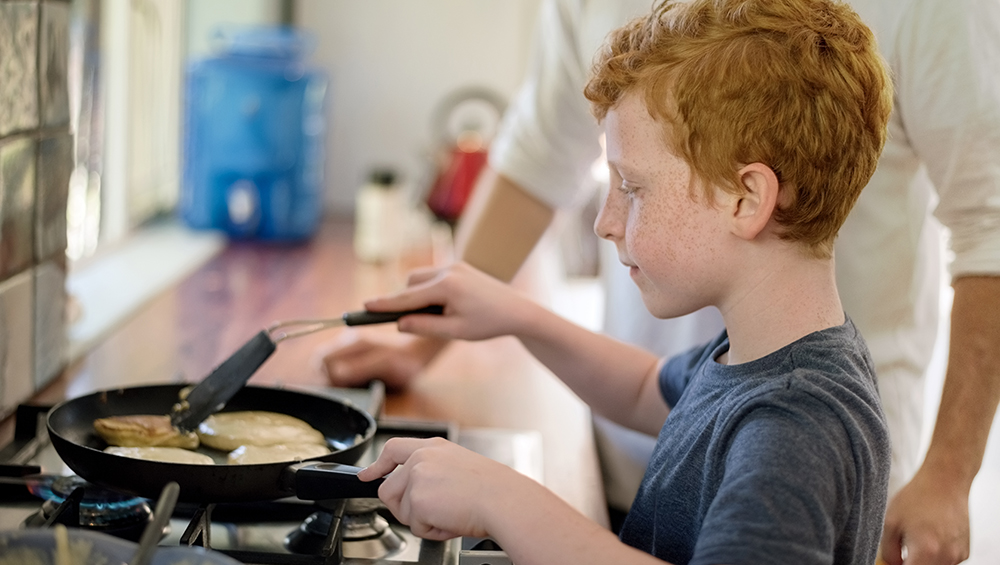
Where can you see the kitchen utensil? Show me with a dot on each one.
(212, 393)
(348, 429)
(153, 531)
(464, 123)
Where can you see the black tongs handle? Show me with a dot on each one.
(363, 317)
(290, 329)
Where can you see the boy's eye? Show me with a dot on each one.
(627, 188)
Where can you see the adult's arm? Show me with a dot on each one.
(948, 94)
(501, 226)
(930, 515)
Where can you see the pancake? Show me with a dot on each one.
(254, 454)
(228, 430)
(163, 454)
(143, 431)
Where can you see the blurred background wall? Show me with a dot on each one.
(391, 62)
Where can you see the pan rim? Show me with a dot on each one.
(371, 429)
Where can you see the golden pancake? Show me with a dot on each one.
(143, 431)
(163, 454)
(229, 430)
(254, 454)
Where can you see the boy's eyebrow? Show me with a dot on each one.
(621, 167)
(617, 164)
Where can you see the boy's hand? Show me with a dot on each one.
(476, 306)
(356, 356)
(441, 490)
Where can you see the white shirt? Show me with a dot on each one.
(942, 159)
(944, 140)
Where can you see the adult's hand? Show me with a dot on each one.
(356, 356)
(929, 517)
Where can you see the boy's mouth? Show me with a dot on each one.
(632, 269)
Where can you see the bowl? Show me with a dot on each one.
(38, 547)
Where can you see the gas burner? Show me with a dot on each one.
(74, 502)
(364, 533)
(367, 535)
(309, 537)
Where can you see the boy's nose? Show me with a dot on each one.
(610, 222)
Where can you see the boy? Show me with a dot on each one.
(739, 135)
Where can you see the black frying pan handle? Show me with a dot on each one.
(326, 481)
(365, 317)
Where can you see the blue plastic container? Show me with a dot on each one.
(254, 137)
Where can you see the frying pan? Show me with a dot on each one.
(349, 431)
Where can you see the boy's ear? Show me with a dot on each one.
(752, 211)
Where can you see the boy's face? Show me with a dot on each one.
(669, 239)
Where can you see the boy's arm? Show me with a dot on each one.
(442, 490)
(617, 380)
(546, 530)
(497, 232)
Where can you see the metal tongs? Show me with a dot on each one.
(359, 318)
(211, 394)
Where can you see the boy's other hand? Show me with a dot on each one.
(476, 305)
(356, 356)
(440, 489)
(930, 518)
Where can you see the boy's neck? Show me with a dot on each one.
(780, 303)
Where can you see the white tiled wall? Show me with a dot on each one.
(16, 335)
(36, 157)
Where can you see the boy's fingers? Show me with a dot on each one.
(426, 531)
(419, 276)
(431, 325)
(395, 453)
(409, 299)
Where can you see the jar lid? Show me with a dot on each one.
(273, 42)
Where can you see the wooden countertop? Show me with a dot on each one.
(193, 326)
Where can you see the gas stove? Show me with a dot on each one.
(285, 532)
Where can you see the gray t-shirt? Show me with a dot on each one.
(784, 459)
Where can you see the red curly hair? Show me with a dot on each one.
(798, 85)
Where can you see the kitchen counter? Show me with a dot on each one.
(194, 325)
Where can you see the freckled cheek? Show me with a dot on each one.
(662, 237)
(649, 241)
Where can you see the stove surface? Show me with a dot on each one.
(259, 532)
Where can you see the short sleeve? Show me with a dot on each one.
(677, 372)
(786, 488)
(548, 139)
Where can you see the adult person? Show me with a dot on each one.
(944, 146)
